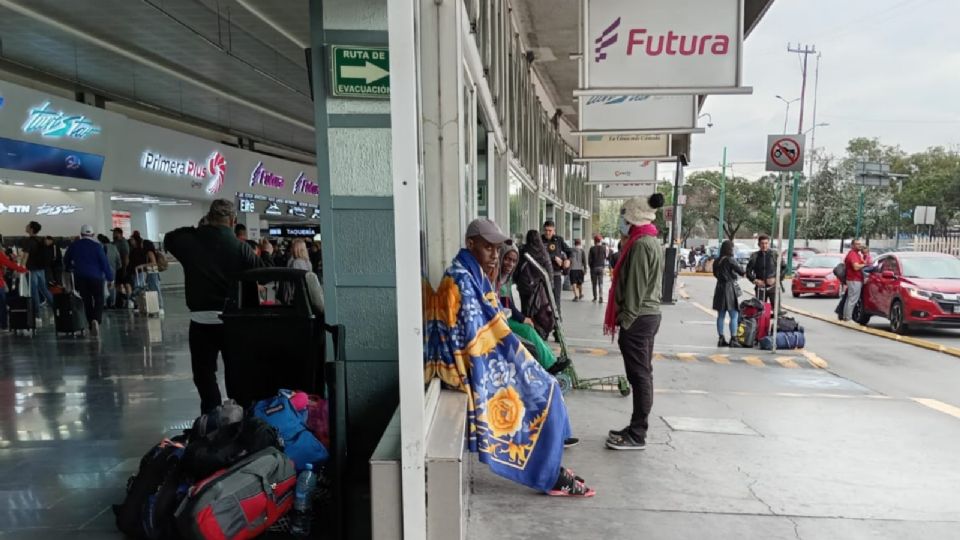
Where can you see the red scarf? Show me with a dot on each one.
(610, 318)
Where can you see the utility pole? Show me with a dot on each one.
(806, 51)
(723, 199)
(813, 148)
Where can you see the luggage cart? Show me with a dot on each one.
(568, 378)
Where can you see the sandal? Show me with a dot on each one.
(570, 485)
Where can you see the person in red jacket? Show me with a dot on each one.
(6, 263)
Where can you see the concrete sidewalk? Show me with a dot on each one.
(736, 450)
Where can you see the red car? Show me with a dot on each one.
(815, 276)
(912, 289)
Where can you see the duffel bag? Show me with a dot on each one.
(288, 413)
(785, 341)
(227, 445)
(788, 324)
(747, 332)
(154, 493)
(240, 502)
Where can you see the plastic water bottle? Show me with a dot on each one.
(302, 503)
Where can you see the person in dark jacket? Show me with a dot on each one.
(54, 260)
(91, 272)
(597, 261)
(726, 294)
(211, 255)
(560, 254)
(762, 270)
(531, 285)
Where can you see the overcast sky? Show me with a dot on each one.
(889, 69)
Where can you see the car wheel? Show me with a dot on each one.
(860, 315)
(897, 316)
(795, 294)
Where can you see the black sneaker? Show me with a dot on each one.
(618, 432)
(561, 364)
(627, 442)
(722, 342)
(571, 442)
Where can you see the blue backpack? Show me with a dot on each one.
(299, 443)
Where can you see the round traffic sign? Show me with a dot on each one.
(785, 151)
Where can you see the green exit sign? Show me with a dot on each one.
(360, 72)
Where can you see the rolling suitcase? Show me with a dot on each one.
(20, 314)
(69, 315)
(147, 301)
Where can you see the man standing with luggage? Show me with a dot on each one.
(91, 271)
(857, 258)
(35, 259)
(762, 270)
(634, 311)
(211, 256)
(560, 254)
(597, 261)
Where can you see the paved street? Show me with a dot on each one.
(854, 437)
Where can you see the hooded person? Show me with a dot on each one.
(634, 310)
(516, 416)
(532, 285)
(520, 324)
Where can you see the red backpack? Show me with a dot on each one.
(240, 502)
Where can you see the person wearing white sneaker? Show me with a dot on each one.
(91, 271)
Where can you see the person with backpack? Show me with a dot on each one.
(856, 260)
(726, 293)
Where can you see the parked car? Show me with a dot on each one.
(912, 289)
(816, 276)
(801, 254)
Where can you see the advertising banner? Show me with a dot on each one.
(663, 44)
(49, 140)
(601, 172)
(159, 161)
(637, 112)
(617, 190)
(624, 146)
(60, 213)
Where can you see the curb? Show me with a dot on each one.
(916, 342)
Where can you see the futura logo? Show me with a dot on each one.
(607, 38)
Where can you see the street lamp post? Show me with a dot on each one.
(786, 115)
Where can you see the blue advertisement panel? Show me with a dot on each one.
(43, 159)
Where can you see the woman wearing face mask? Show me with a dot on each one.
(520, 324)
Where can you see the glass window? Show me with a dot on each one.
(945, 267)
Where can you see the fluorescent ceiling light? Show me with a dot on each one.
(18, 183)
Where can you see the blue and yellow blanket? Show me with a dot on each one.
(517, 419)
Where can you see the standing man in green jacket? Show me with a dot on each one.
(634, 310)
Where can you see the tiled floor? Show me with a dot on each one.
(76, 415)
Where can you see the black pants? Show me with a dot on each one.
(91, 291)
(557, 289)
(206, 343)
(636, 345)
(768, 294)
(596, 281)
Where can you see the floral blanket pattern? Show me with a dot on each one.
(517, 420)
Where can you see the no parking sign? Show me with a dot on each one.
(785, 153)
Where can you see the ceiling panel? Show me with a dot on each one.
(198, 39)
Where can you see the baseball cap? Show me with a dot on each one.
(86, 230)
(486, 229)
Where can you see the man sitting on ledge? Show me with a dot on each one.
(517, 419)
